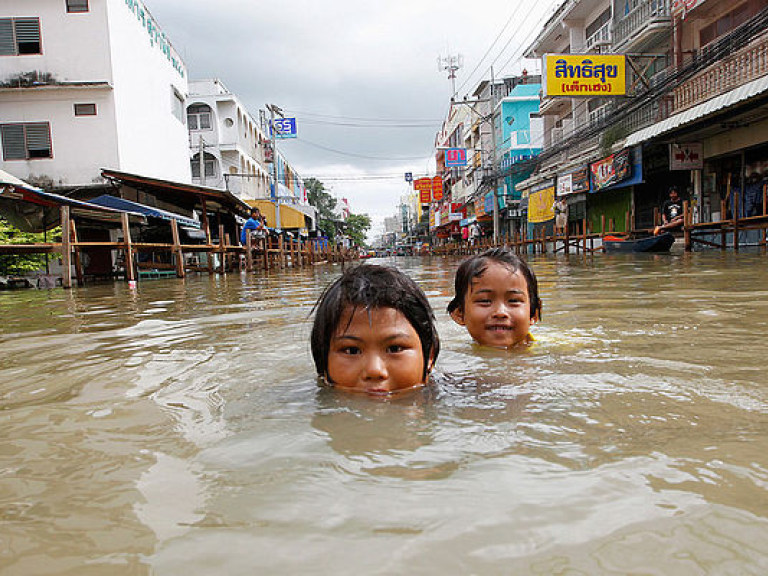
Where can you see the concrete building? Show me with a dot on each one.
(86, 85)
(234, 145)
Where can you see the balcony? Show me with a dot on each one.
(600, 41)
(643, 25)
(745, 65)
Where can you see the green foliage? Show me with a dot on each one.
(325, 204)
(356, 227)
(610, 136)
(21, 263)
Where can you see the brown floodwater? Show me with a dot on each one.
(178, 429)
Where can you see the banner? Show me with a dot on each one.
(573, 182)
(437, 188)
(541, 205)
(424, 187)
(585, 75)
(610, 170)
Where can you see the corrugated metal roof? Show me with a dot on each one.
(700, 111)
(128, 206)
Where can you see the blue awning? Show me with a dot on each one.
(149, 211)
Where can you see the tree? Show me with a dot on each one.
(20, 263)
(325, 204)
(356, 227)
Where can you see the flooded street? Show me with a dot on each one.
(179, 429)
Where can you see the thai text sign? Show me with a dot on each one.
(610, 170)
(573, 182)
(455, 157)
(541, 205)
(424, 187)
(437, 188)
(586, 75)
(285, 128)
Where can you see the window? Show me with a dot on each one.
(26, 141)
(85, 109)
(210, 166)
(77, 5)
(177, 105)
(199, 117)
(19, 36)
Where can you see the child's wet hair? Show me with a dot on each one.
(475, 266)
(370, 286)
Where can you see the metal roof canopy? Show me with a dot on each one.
(31, 209)
(179, 193)
(700, 111)
(149, 211)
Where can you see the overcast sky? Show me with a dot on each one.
(361, 77)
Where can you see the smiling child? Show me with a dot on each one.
(497, 298)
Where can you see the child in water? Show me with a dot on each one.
(374, 332)
(497, 299)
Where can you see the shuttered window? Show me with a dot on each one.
(26, 141)
(85, 109)
(77, 5)
(19, 36)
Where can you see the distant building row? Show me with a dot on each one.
(695, 116)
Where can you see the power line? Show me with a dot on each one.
(357, 118)
(363, 156)
(369, 126)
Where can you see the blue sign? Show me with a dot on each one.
(285, 128)
(409, 176)
(455, 157)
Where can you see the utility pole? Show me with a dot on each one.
(493, 163)
(201, 160)
(275, 110)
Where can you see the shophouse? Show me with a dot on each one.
(712, 140)
(86, 85)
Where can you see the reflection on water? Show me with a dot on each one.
(178, 428)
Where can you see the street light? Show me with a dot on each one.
(274, 110)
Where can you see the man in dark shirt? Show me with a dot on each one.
(671, 212)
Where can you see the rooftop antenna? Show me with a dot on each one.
(450, 64)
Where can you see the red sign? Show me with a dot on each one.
(610, 170)
(437, 188)
(424, 186)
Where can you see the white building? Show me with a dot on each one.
(234, 144)
(86, 85)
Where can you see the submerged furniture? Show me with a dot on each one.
(660, 243)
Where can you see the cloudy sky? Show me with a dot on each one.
(361, 77)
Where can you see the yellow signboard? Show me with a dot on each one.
(585, 75)
(541, 205)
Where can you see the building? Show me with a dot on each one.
(235, 148)
(86, 85)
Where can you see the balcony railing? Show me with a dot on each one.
(646, 15)
(745, 65)
(600, 38)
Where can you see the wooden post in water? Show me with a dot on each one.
(723, 217)
(765, 212)
(736, 207)
(686, 227)
(78, 259)
(222, 251)
(584, 234)
(180, 270)
(66, 248)
(249, 250)
(627, 223)
(130, 275)
(602, 225)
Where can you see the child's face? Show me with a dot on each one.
(496, 310)
(378, 352)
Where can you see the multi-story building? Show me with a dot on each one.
(233, 144)
(86, 85)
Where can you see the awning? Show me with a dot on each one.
(702, 110)
(33, 210)
(290, 216)
(180, 193)
(149, 211)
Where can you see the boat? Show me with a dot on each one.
(660, 243)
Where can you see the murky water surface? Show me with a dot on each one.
(178, 429)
